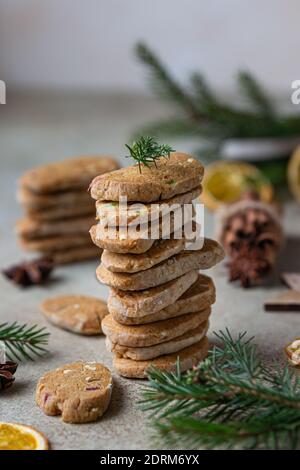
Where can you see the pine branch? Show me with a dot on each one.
(146, 151)
(208, 115)
(203, 93)
(255, 94)
(192, 433)
(23, 341)
(169, 86)
(230, 398)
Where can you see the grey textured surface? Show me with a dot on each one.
(36, 129)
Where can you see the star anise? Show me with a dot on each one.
(30, 273)
(7, 371)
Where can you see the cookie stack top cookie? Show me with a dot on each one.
(58, 209)
(178, 174)
(159, 304)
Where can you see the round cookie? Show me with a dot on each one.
(80, 392)
(188, 357)
(187, 260)
(55, 243)
(153, 333)
(132, 263)
(169, 347)
(135, 240)
(178, 174)
(77, 313)
(36, 201)
(60, 212)
(33, 229)
(136, 213)
(112, 240)
(200, 296)
(71, 173)
(72, 255)
(141, 303)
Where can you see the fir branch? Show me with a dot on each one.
(146, 151)
(208, 115)
(266, 434)
(204, 94)
(169, 86)
(255, 94)
(23, 341)
(229, 399)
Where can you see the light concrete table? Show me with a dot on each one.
(41, 128)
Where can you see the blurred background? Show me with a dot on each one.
(88, 44)
(76, 84)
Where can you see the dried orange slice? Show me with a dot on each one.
(293, 174)
(226, 182)
(14, 436)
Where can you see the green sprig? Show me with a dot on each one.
(205, 114)
(163, 82)
(256, 95)
(229, 399)
(145, 151)
(23, 341)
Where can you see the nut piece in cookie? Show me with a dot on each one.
(80, 392)
(77, 313)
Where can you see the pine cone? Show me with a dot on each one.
(30, 273)
(7, 371)
(251, 234)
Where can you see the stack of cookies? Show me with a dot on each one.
(58, 209)
(159, 305)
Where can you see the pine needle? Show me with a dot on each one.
(255, 94)
(164, 83)
(204, 112)
(145, 151)
(229, 399)
(23, 342)
(203, 93)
